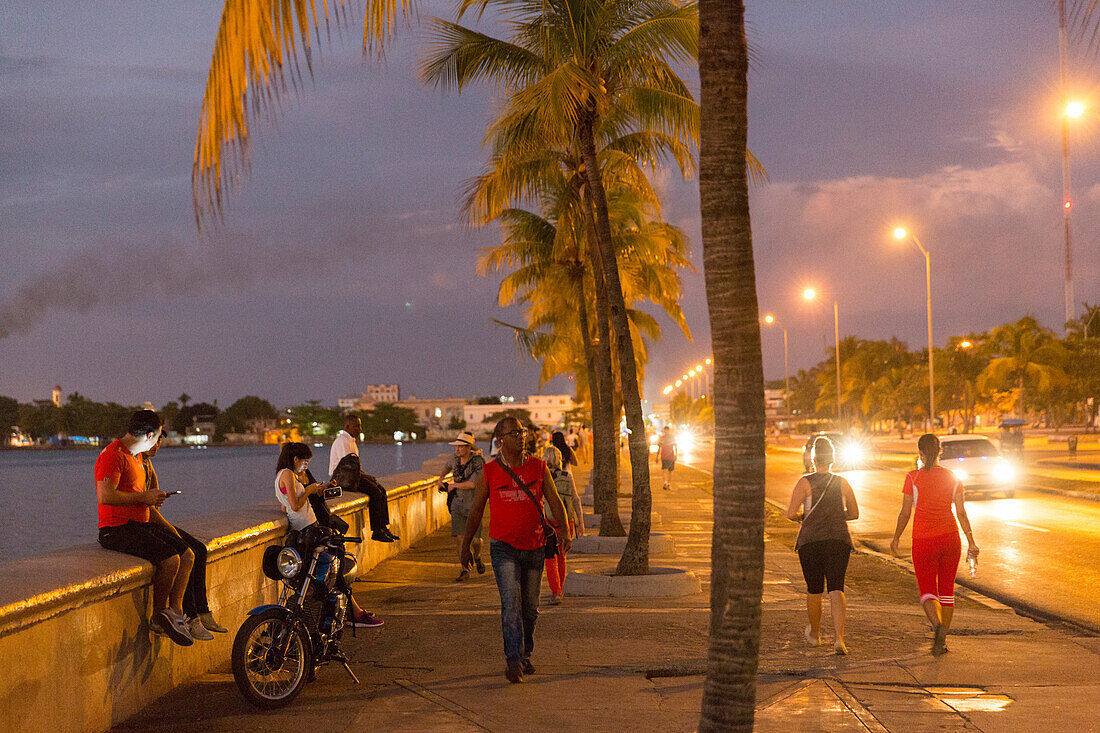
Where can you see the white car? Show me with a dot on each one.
(978, 464)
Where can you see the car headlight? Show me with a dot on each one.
(289, 562)
(685, 441)
(1004, 472)
(852, 454)
(960, 474)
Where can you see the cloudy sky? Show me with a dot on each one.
(344, 263)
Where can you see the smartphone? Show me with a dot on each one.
(172, 493)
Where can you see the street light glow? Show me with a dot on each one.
(809, 293)
(708, 361)
(900, 233)
(668, 389)
(1075, 109)
(691, 373)
(964, 345)
(678, 382)
(769, 319)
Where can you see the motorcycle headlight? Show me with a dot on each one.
(1004, 472)
(960, 474)
(289, 562)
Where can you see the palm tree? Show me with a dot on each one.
(737, 551)
(1029, 355)
(567, 65)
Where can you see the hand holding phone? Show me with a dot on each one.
(173, 493)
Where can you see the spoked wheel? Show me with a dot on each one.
(271, 659)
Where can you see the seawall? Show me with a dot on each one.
(76, 653)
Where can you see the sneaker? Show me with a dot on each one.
(172, 627)
(555, 599)
(393, 535)
(210, 624)
(198, 631)
(366, 620)
(528, 668)
(514, 673)
(939, 642)
(480, 566)
(462, 576)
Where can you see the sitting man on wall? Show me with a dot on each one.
(378, 508)
(124, 526)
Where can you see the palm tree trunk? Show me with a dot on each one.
(605, 487)
(737, 550)
(635, 559)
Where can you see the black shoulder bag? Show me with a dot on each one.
(550, 548)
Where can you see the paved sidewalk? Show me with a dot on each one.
(610, 664)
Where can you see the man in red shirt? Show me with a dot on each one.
(516, 539)
(124, 524)
(666, 453)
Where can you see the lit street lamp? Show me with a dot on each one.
(1072, 109)
(810, 294)
(901, 234)
(770, 320)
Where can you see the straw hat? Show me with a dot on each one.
(466, 438)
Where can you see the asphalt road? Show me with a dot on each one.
(1040, 552)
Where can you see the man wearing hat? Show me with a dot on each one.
(466, 466)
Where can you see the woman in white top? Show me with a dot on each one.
(290, 488)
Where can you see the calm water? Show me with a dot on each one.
(49, 495)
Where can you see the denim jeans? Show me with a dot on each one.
(519, 580)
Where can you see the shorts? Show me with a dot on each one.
(146, 540)
(668, 464)
(824, 561)
(935, 563)
(461, 505)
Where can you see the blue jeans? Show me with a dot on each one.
(519, 580)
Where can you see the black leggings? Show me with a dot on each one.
(824, 561)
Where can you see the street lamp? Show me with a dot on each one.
(901, 234)
(770, 320)
(1073, 109)
(811, 294)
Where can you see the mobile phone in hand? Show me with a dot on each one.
(173, 493)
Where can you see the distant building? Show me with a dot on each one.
(437, 413)
(57, 396)
(546, 411)
(375, 393)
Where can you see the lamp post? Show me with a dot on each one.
(770, 320)
(811, 294)
(1071, 110)
(901, 234)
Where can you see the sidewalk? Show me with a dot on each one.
(611, 664)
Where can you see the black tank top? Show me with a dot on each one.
(826, 521)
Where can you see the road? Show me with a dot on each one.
(1040, 552)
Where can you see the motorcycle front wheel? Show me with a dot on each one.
(271, 659)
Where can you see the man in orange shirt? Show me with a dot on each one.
(124, 524)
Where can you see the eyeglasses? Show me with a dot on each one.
(517, 431)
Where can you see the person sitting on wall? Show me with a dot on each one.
(378, 509)
(125, 506)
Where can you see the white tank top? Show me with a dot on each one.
(303, 517)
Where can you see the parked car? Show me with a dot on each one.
(977, 462)
(851, 453)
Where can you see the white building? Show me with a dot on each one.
(375, 393)
(546, 411)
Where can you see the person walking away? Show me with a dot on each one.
(563, 482)
(124, 508)
(666, 454)
(196, 607)
(514, 485)
(466, 466)
(568, 455)
(292, 492)
(928, 494)
(378, 506)
(824, 544)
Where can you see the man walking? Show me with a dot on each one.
(515, 485)
(666, 454)
(378, 508)
(124, 510)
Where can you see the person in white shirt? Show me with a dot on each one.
(378, 509)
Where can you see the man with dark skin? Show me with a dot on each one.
(516, 538)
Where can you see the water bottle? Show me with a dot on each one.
(972, 561)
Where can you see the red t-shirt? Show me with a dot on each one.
(667, 445)
(933, 491)
(513, 517)
(119, 465)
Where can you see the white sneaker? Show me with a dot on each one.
(179, 621)
(198, 631)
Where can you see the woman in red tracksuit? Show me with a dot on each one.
(932, 489)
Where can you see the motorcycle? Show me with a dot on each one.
(279, 647)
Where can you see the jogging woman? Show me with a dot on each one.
(932, 489)
(824, 545)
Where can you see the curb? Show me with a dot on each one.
(659, 544)
(661, 582)
(592, 521)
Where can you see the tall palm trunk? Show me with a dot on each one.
(737, 549)
(635, 559)
(605, 486)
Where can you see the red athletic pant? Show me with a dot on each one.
(555, 568)
(935, 562)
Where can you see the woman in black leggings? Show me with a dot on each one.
(828, 504)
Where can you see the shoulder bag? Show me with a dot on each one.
(550, 548)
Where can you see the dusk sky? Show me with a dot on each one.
(344, 262)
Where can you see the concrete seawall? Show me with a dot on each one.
(75, 649)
